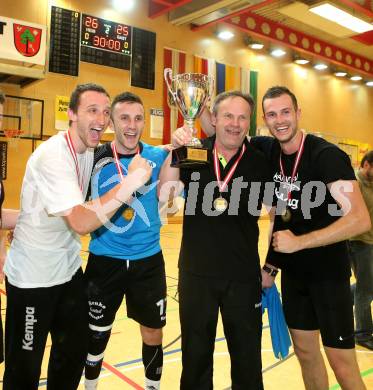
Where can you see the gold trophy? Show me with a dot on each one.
(190, 92)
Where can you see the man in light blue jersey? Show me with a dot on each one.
(125, 257)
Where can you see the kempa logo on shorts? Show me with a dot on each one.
(28, 340)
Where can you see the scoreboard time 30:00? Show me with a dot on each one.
(106, 35)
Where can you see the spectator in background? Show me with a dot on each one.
(8, 219)
(361, 255)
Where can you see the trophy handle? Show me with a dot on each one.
(167, 74)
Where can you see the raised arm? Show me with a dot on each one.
(89, 216)
(169, 185)
(205, 120)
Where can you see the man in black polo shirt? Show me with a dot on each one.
(219, 266)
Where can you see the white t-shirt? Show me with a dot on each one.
(45, 251)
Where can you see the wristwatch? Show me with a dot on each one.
(273, 272)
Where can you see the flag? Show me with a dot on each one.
(205, 66)
(175, 60)
(227, 78)
(249, 84)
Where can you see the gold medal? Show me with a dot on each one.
(286, 215)
(220, 204)
(128, 213)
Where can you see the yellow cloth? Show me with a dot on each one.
(222, 160)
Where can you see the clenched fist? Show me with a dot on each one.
(181, 136)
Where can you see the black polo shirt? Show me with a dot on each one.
(224, 244)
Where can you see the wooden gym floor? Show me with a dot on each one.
(123, 368)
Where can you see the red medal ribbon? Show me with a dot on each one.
(224, 184)
(295, 167)
(117, 164)
(70, 145)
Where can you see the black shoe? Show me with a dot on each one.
(365, 343)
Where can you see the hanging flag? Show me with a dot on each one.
(249, 84)
(227, 78)
(205, 66)
(175, 60)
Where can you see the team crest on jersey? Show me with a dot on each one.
(27, 39)
(286, 184)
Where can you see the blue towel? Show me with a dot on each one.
(279, 330)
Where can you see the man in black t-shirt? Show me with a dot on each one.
(219, 268)
(319, 206)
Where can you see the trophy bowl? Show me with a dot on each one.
(190, 92)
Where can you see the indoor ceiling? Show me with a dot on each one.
(287, 23)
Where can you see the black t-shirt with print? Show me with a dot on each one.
(312, 207)
(224, 245)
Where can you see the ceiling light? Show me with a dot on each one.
(340, 74)
(343, 18)
(355, 78)
(256, 45)
(123, 5)
(278, 52)
(300, 60)
(225, 35)
(253, 44)
(369, 83)
(320, 66)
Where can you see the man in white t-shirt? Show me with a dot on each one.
(44, 281)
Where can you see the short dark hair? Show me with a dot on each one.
(79, 90)
(368, 157)
(277, 91)
(228, 94)
(2, 97)
(126, 97)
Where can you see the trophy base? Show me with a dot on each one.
(189, 157)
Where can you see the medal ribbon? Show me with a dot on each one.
(73, 153)
(223, 184)
(116, 159)
(295, 167)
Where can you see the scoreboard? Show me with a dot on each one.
(104, 42)
(64, 41)
(80, 37)
(106, 35)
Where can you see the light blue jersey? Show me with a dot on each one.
(124, 237)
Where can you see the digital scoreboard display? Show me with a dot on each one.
(64, 41)
(105, 42)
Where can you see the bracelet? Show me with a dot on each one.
(271, 271)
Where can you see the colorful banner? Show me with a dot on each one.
(249, 84)
(175, 60)
(22, 41)
(227, 78)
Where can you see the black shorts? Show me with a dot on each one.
(325, 305)
(143, 282)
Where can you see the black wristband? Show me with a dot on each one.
(273, 272)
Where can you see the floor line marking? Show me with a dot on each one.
(122, 376)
